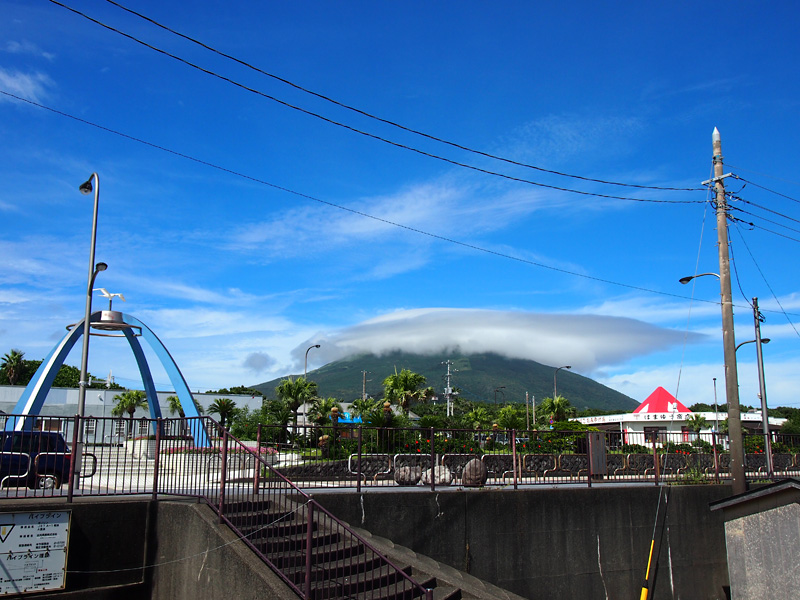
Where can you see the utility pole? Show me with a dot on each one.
(762, 387)
(448, 391)
(364, 385)
(728, 339)
(527, 413)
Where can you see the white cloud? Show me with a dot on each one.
(30, 86)
(14, 47)
(257, 362)
(586, 342)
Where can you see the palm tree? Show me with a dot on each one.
(477, 418)
(556, 410)
(403, 389)
(321, 409)
(695, 423)
(361, 407)
(13, 366)
(225, 408)
(175, 408)
(295, 393)
(510, 418)
(128, 402)
(279, 414)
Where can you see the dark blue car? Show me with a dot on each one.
(38, 459)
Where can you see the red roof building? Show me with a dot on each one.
(661, 401)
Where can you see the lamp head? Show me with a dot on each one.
(101, 266)
(765, 340)
(316, 345)
(685, 280)
(86, 186)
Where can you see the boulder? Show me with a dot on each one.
(441, 476)
(475, 474)
(407, 475)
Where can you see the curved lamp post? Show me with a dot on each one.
(762, 388)
(94, 269)
(738, 476)
(500, 389)
(554, 380)
(305, 368)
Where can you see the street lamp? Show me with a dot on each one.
(685, 280)
(305, 369)
(762, 388)
(500, 389)
(86, 188)
(554, 380)
(739, 479)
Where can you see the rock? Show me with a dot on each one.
(441, 476)
(475, 474)
(407, 475)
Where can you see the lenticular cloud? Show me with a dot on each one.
(584, 341)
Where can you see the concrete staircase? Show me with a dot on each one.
(343, 566)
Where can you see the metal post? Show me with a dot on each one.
(309, 544)
(728, 338)
(514, 456)
(86, 188)
(762, 386)
(159, 425)
(223, 473)
(358, 468)
(589, 458)
(257, 473)
(73, 458)
(716, 456)
(433, 463)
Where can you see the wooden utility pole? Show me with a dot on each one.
(762, 388)
(728, 340)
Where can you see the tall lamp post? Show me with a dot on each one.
(500, 389)
(305, 369)
(762, 388)
(94, 269)
(555, 375)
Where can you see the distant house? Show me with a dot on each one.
(661, 412)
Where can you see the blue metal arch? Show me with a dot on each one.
(33, 398)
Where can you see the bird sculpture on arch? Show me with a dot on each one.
(33, 398)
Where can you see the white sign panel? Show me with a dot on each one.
(33, 551)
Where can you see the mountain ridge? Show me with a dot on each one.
(477, 376)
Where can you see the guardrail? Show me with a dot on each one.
(315, 553)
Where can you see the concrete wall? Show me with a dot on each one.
(167, 550)
(557, 543)
(199, 560)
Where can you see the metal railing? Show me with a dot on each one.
(315, 553)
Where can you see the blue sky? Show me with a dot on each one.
(242, 230)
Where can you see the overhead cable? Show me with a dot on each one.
(384, 120)
(362, 132)
(346, 208)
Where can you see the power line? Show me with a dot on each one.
(383, 120)
(775, 297)
(362, 132)
(348, 209)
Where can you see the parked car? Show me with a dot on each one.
(38, 459)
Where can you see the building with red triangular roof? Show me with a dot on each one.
(661, 401)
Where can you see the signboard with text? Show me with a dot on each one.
(33, 551)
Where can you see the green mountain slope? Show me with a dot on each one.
(476, 376)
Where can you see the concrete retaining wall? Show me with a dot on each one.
(557, 543)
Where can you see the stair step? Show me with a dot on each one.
(250, 521)
(237, 506)
(331, 553)
(375, 583)
(333, 570)
(296, 542)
